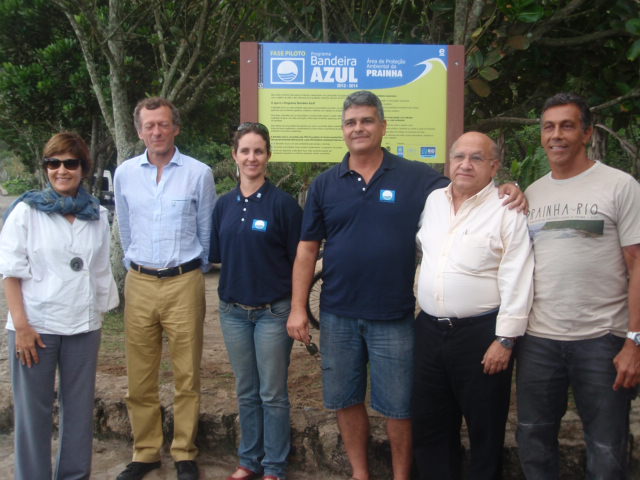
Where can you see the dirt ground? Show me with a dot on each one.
(111, 456)
(216, 373)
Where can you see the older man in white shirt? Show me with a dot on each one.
(475, 291)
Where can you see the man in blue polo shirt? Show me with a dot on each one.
(367, 208)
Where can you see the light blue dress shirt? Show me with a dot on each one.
(168, 223)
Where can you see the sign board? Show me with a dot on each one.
(300, 88)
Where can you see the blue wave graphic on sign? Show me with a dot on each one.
(287, 71)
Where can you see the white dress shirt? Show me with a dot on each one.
(475, 260)
(37, 248)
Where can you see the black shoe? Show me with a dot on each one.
(187, 470)
(137, 470)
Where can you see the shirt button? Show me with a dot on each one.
(246, 200)
(242, 219)
(359, 179)
(363, 189)
(244, 209)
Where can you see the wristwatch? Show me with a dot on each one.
(508, 342)
(635, 336)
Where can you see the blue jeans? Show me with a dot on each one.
(349, 344)
(545, 369)
(259, 349)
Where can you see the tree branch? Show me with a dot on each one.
(559, 16)
(632, 94)
(91, 66)
(194, 56)
(164, 60)
(325, 22)
(473, 20)
(460, 22)
(284, 4)
(581, 39)
(633, 151)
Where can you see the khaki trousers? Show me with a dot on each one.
(176, 306)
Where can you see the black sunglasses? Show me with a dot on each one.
(255, 125)
(54, 163)
(311, 347)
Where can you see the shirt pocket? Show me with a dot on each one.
(473, 253)
(180, 214)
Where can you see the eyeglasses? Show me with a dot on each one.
(54, 163)
(253, 125)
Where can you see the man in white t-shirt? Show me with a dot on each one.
(584, 221)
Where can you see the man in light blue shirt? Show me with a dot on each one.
(164, 201)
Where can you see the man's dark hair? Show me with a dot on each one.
(567, 99)
(152, 103)
(363, 98)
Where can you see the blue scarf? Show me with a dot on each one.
(83, 205)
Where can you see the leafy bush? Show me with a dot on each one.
(19, 185)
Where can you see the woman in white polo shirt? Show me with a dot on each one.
(54, 257)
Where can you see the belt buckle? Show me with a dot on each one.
(163, 272)
(445, 321)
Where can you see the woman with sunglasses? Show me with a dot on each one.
(54, 257)
(255, 232)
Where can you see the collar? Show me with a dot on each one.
(257, 196)
(388, 163)
(479, 197)
(176, 159)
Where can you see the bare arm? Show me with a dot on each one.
(627, 362)
(27, 339)
(303, 270)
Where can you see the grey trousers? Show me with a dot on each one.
(75, 357)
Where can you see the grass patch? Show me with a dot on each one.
(113, 322)
(113, 333)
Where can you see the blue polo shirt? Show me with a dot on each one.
(370, 229)
(255, 238)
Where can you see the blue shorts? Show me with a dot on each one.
(348, 344)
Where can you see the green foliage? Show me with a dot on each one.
(518, 53)
(225, 185)
(295, 178)
(19, 185)
(526, 11)
(44, 86)
(531, 168)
